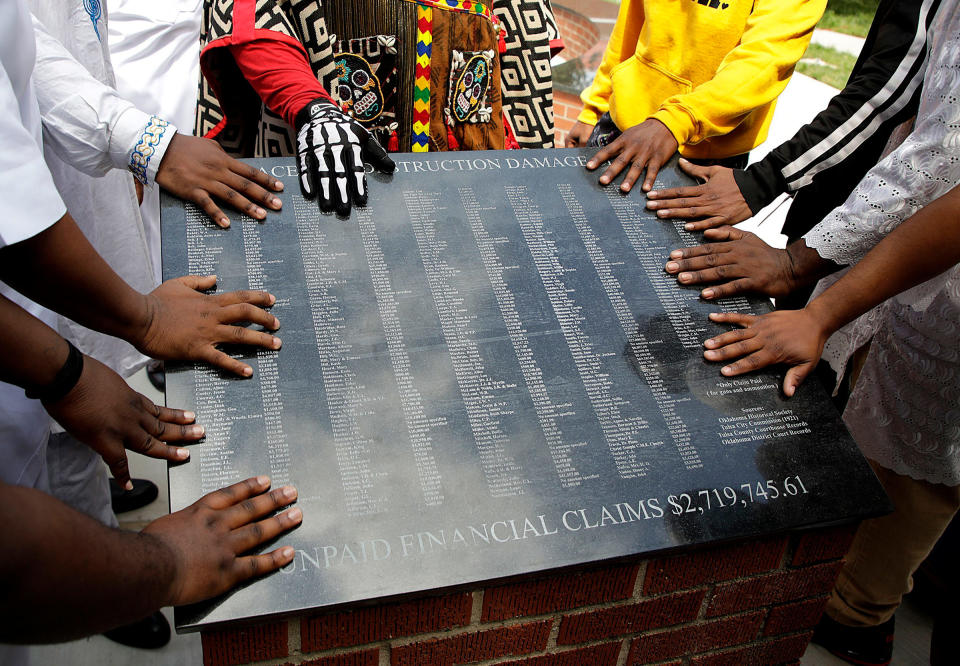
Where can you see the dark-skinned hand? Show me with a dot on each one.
(648, 145)
(208, 539)
(738, 263)
(792, 337)
(716, 202)
(578, 135)
(198, 170)
(185, 324)
(103, 412)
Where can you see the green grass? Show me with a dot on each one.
(851, 17)
(827, 65)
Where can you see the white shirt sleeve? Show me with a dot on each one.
(29, 202)
(88, 124)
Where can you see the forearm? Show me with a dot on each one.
(806, 266)
(919, 249)
(59, 269)
(280, 74)
(857, 120)
(68, 576)
(31, 353)
(87, 123)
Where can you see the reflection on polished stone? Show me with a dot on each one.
(486, 372)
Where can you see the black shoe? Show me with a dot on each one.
(142, 494)
(867, 646)
(157, 375)
(150, 633)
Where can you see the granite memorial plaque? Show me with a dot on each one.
(486, 372)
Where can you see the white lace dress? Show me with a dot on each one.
(904, 412)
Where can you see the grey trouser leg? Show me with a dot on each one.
(79, 478)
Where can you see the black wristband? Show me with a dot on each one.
(67, 377)
(308, 111)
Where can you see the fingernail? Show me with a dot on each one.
(625, 187)
(275, 202)
(676, 254)
(604, 180)
(726, 370)
(277, 185)
(225, 221)
(591, 164)
(183, 454)
(289, 492)
(128, 485)
(652, 204)
(672, 266)
(195, 431)
(247, 371)
(189, 416)
(688, 226)
(260, 212)
(663, 213)
(276, 343)
(707, 293)
(295, 515)
(286, 552)
(683, 277)
(263, 480)
(273, 299)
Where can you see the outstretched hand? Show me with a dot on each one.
(208, 538)
(648, 145)
(739, 263)
(579, 135)
(198, 170)
(186, 324)
(792, 337)
(331, 150)
(717, 201)
(103, 412)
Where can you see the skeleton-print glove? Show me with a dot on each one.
(331, 150)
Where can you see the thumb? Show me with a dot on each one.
(795, 377)
(724, 233)
(374, 153)
(695, 170)
(120, 470)
(198, 282)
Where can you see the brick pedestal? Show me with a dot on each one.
(752, 602)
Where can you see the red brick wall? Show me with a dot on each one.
(746, 603)
(578, 33)
(566, 108)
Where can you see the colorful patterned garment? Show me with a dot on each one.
(366, 86)
(426, 34)
(531, 37)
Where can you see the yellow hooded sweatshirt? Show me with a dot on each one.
(710, 70)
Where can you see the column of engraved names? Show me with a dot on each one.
(639, 346)
(411, 402)
(690, 331)
(478, 389)
(343, 394)
(268, 373)
(214, 457)
(548, 413)
(673, 300)
(620, 421)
